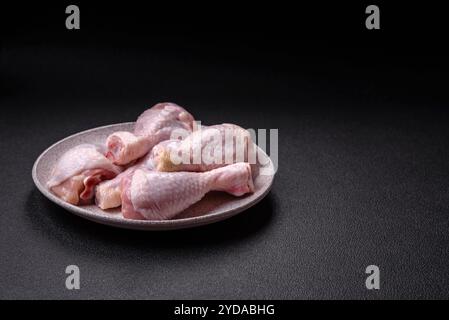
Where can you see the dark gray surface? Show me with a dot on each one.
(363, 176)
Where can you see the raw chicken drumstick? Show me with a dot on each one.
(206, 149)
(108, 193)
(157, 195)
(153, 126)
(78, 171)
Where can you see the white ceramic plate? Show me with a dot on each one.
(215, 206)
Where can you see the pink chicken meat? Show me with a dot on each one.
(108, 193)
(78, 171)
(154, 195)
(206, 149)
(153, 126)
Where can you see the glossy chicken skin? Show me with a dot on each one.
(206, 149)
(154, 195)
(108, 193)
(78, 171)
(153, 126)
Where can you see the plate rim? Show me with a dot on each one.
(150, 225)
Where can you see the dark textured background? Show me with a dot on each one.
(363, 152)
